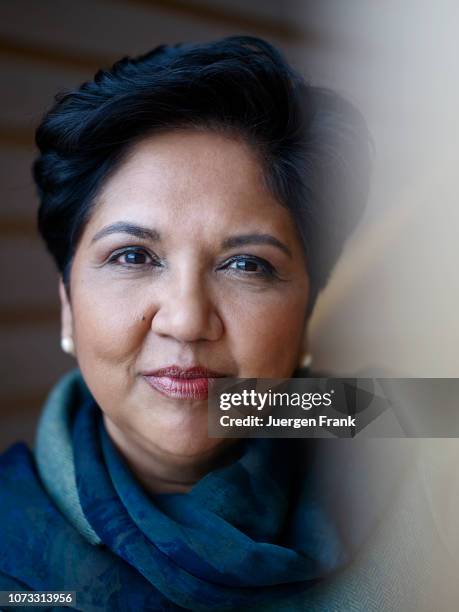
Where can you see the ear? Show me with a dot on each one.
(66, 312)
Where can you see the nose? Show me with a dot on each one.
(187, 312)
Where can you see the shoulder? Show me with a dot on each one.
(20, 484)
(30, 524)
(16, 467)
(41, 550)
(24, 504)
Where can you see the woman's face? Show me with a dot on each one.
(187, 260)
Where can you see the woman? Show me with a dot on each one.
(195, 200)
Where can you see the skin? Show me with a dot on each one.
(183, 299)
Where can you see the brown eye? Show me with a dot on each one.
(251, 266)
(246, 265)
(133, 258)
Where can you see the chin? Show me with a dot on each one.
(188, 444)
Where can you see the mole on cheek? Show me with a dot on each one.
(143, 318)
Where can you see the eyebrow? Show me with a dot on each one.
(120, 227)
(245, 239)
(146, 233)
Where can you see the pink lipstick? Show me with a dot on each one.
(182, 383)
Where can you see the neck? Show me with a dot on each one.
(159, 472)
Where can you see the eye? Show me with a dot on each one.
(250, 266)
(133, 258)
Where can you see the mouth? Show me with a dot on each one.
(183, 383)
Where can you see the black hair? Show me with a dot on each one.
(313, 145)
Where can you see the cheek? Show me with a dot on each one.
(266, 335)
(108, 337)
(107, 327)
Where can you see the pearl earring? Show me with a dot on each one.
(67, 345)
(306, 360)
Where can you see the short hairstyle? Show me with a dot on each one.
(313, 145)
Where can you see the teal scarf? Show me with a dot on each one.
(245, 535)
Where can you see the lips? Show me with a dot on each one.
(182, 383)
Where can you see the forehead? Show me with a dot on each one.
(203, 178)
